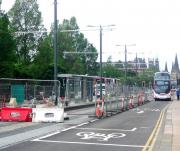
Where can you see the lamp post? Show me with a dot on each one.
(100, 34)
(55, 49)
(100, 37)
(125, 63)
(0, 5)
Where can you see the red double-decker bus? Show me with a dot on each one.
(162, 86)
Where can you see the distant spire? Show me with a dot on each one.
(172, 69)
(166, 68)
(176, 65)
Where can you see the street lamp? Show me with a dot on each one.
(55, 49)
(100, 35)
(0, 5)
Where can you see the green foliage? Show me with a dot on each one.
(77, 62)
(110, 71)
(26, 19)
(43, 60)
(31, 54)
(7, 48)
(144, 76)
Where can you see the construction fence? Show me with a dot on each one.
(41, 97)
(71, 91)
(116, 96)
(21, 92)
(81, 90)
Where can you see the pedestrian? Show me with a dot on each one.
(177, 93)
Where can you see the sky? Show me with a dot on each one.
(150, 28)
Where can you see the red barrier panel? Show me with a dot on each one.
(16, 114)
(0, 114)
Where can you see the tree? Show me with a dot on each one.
(42, 65)
(111, 71)
(75, 42)
(7, 48)
(26, 19)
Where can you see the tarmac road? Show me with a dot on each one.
(128, 131)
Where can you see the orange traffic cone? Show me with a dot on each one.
(139, 100)
(131, 105)
(98, 110)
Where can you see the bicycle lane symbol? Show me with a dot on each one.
(99, 136)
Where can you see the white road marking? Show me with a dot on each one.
(59, 131)
(145, 127)
(156, 110)
(86, 143)
(140, 112)
(72, 127)
(99, 136)
(45, 136)
(101, 129)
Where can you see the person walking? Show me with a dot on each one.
(178, 93)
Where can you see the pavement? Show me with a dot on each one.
(167, 137)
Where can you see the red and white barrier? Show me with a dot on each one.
(16, 114)
(48, 115)
(0, 115)
(131, 102)
(99, 108)
(140, 101)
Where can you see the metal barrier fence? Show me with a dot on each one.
(116, 97)
(29, 91)
(126, 97)
(75, 91)
(79, 92)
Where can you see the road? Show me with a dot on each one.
(127, 131)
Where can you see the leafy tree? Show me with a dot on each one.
(77, 62)
(7, 48)
(42, 65)
(26, 21)
(111, 71)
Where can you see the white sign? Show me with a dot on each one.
(100, 136)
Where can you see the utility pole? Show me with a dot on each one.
(125, 63)
(136, 63)
(0, 5)
(100, 37)
(55, 49)
(100, 62)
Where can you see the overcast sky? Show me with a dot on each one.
(152, 25)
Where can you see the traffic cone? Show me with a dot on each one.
(131, 102)
(98, 110)
(139, 100)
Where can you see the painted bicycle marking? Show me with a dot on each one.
(100, 136)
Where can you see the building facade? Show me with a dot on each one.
(175, 73)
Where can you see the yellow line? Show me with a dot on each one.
(150, 140)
